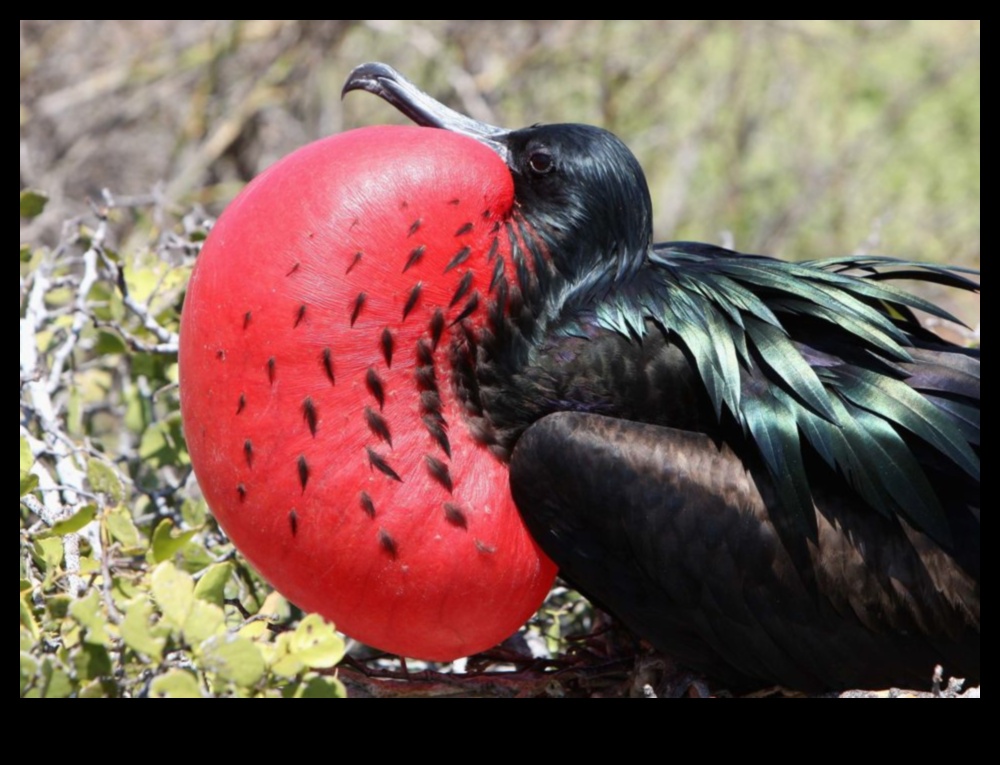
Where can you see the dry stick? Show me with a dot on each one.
(56, 504)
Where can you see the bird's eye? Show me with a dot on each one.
(541, 162)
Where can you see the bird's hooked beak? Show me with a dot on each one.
(389, 85)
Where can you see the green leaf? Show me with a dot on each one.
(57, 606)
(194, 512)
(92, 662)
(75, 407)
(211, 586)
(121, 527)
(27, 458)
(56, 682)
(29, 482)
(275, 607)
(138, 631)
(316, 643)
(138, 409)
(255, 630)
(319, 687)
(165, 544)
(25, 253)
(176, 684)
(204, 621)
(101, 688)
(109, 343)
(163, 444)
(89, 614)
(90, 566)
(32, 203)
(28, 671)
(48, 553)
(195, 558)
(28, 620)
(173, 591)
(283, 662)
(103, 479)
(75, 522)
(233, 658)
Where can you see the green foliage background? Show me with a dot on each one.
(793, 138)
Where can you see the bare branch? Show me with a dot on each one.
(80, 305)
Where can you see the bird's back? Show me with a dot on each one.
(771, 471)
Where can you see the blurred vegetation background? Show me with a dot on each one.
(800, 139)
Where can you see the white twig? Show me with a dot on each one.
(37, 396)
(169, 341)
(80, 306)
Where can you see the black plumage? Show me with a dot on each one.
(770, 470)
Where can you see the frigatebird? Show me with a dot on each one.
(769, 470)
(399, 342)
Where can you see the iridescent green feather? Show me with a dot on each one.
(738, 315)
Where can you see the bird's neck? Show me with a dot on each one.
(539, 319)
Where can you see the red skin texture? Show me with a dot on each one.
(282, 451)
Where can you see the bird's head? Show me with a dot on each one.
(579, 188)
(331, 349)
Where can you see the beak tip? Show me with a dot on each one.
(369, 77)
(385, 82)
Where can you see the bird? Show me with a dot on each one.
(768, 470)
